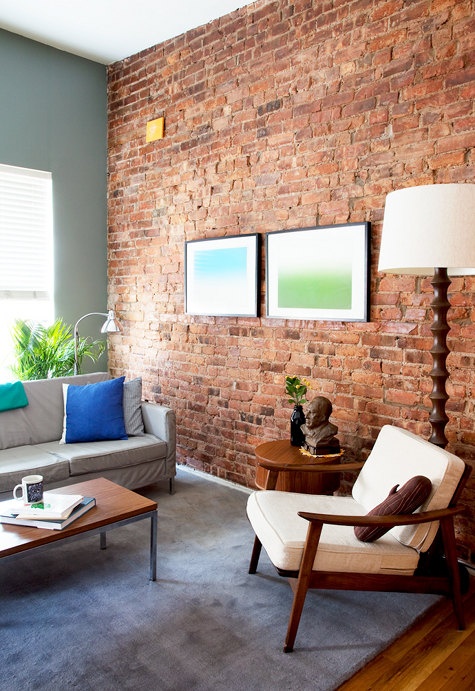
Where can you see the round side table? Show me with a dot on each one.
(279, 466)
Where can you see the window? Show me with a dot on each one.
(26, 253)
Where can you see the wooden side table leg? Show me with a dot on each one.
(272, 477)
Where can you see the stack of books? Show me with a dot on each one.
(55, 512)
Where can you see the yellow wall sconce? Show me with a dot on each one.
(155, 129)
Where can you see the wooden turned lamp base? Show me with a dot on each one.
(289, 468)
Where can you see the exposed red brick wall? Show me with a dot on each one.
(285, 115)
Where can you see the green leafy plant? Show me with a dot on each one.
(296, 390)
(44, 352)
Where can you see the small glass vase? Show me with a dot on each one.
(297, 419)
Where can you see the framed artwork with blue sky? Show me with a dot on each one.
(221, 276)
(319, 273)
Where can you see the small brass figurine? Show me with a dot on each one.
(319, 433)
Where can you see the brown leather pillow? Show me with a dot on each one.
(405, 500)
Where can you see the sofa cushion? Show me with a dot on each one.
(133, 407)
(42, 419)
(398, 455)
(275, 520)
(94, 412)
(92, 457)
(406, 499)
(12, 396)
(27, 460)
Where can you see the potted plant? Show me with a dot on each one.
(44, 352)
(296, 390)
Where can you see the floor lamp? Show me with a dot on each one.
(111, 325)
(430, 229)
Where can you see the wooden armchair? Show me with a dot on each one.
(311, 538)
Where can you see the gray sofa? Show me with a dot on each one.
(30, 443)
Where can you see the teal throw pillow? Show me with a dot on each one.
(94, 412)
(12, 396)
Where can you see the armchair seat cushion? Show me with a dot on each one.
(275, 520)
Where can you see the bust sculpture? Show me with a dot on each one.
(319, 432)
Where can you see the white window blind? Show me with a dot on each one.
(26, 242)
(26, 254)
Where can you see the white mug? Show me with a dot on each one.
(31, 489)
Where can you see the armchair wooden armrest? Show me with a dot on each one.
(387, 521)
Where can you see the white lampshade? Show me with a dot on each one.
(427, 227)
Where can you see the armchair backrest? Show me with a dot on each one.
(396, 457)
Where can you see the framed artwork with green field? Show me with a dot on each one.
(319, 273)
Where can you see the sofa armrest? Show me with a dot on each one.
(160, 421)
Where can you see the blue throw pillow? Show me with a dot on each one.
(94, 412)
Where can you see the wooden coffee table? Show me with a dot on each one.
(115, 506)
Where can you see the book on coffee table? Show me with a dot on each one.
(9, 513)
(52, 507)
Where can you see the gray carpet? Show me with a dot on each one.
(77, 617)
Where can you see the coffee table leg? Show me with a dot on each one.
(103, 542)
(153, 547)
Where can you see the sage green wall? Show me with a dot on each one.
(53, 116)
